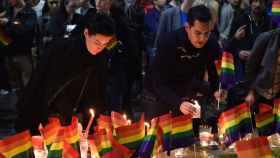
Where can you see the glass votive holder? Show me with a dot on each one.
(84, 144)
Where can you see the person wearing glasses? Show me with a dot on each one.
(70, 78)
(177, 77)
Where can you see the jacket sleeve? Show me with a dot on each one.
(162, 72)
(253, 63)
(24, 25)
(162, 27)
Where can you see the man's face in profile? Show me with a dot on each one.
(198, 33)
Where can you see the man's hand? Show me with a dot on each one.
(244, 54)
(221, 95)
(188, 108)
(250, 98)
(240, 33)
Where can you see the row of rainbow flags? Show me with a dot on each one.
(112, 134)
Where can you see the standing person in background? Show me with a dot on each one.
(173, 18)
(151, 21)
(229, 13)
(263, 69)
(244, 32)
(19, 23)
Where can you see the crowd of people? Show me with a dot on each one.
(157, 56)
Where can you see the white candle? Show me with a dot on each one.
(129, 122)
(124, 116)
(90, 121)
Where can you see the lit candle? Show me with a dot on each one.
(198, 109)
(129, 122)
(124, 116)
(91, 111)
(147, 126)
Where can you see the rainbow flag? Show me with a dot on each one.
(165, 122)
(147, 145)
(235, 123)
(133, 135)
(69, 151)
(218, 65)
(227, 76)
(265, 120)
(93, 149)
(49, 132)
(158, 146)
(182, 132)
(4, 38)
(120, 148)
(254, 148)
(105, 122)
(276, 112)
(275, 7)
(17, 146)
(102, 141)
(118, 120)
(70, 134)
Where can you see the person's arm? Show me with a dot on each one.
(162, 27)
(162, 72)
(257, 53)
(24, 25)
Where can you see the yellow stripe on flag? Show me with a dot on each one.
(18, 150)
(132, 138)
(181, 129)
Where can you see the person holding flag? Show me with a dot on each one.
(178, 73)
(263, 69)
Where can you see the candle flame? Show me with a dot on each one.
(129, 122)
(147, 124)
(124, 116)
(196, 103)
(91, 111)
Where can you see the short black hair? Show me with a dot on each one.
(101, 23)
(200, 13)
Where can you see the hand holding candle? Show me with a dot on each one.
(90, 121)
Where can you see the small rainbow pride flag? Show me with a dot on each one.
(265, 120)
(131, 136)
(182, 132)
(17, 146)
(165, 122)
(275, 7)
(105, 122)
(102, 141)
(227, 76)
(93, 149)
(235, 123)
(69, 151)
(49, 132)
(254, 148)
(118, 120)
(276, 112)
(147, 145)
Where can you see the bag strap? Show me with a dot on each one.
(66, 84)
